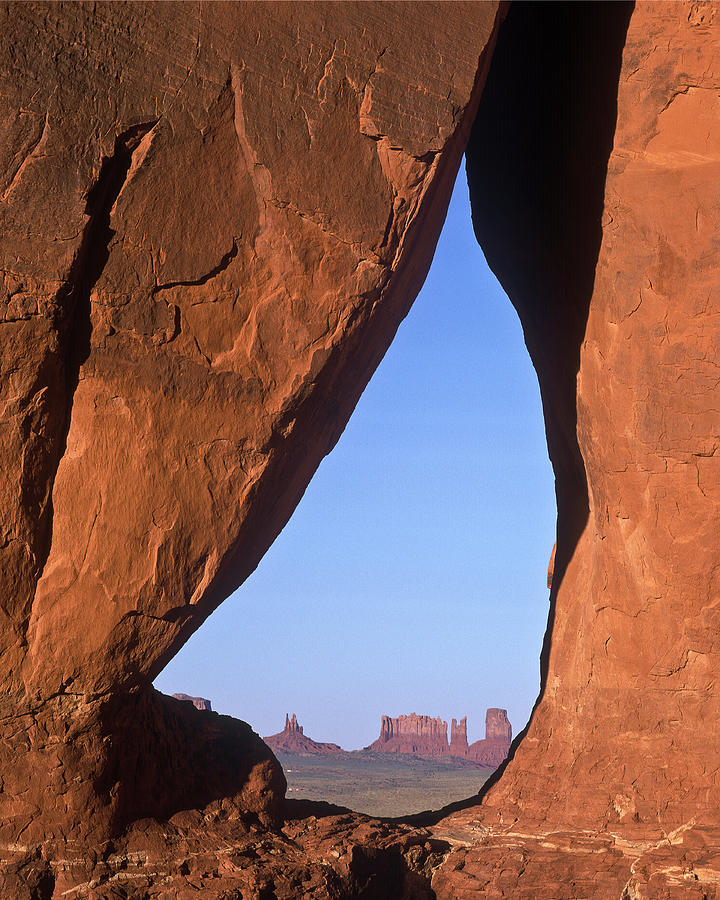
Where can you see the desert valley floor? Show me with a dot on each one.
(381, 784)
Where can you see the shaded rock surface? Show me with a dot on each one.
(603, 229)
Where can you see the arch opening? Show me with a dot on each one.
(411, 578)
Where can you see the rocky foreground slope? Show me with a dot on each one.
(213, 218)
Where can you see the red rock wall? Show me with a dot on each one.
(424, 736)
(194, 294)
(497, 725)
(492, 750)
(595, 200)
(214, 217)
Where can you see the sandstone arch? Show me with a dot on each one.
(195, 293)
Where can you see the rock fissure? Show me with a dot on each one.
(202, 279)
(594, 115)
(73, 316)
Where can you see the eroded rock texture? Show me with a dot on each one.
(214, 217)
(595, 199)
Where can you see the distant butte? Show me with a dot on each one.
(197, 702)
(292, 740)
(426, 737)
(413, 735)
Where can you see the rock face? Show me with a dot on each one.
(458, 737)
(497, 725)
(197, 702)
(603, 228)
(423, 736)
(214, 217)
(551, 567)
(292, 739)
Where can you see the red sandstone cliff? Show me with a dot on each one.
(293, 740)
(214, 217)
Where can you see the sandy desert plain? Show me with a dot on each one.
(381, 784)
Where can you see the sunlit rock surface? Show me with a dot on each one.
(425, 736)
(412, 734)
(214, 217)
(197, 702)
(595, 200)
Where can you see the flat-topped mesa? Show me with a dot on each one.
(293, 740)
(197, 702)
(497, 725)
(425, 736)
(413, 734)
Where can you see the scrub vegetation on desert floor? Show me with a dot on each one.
(373, 784)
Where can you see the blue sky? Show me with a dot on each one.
(411, 577)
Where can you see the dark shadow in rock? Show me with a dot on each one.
(294, 810)
(164, 755)
(73, 315)
(29, 878)
(537, 163)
